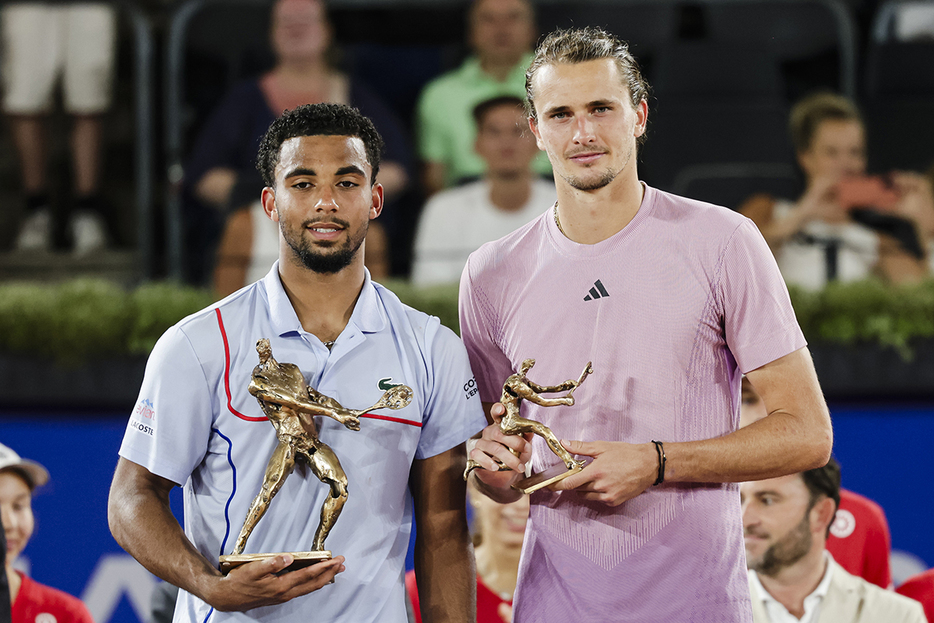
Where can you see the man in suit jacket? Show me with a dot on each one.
(792, 577)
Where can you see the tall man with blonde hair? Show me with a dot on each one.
(672, 299)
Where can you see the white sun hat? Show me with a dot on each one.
(35, 474)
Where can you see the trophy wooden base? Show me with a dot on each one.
(556, 472)
(301, 560)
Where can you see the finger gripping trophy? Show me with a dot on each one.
(519, 387)
(290, 405)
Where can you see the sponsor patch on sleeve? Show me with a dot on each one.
(470, 389)
(144, 416)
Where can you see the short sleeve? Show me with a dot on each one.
(453, 412)
(759, 321)
(478, 326)
(170, 426)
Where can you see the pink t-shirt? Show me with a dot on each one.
(670, 310)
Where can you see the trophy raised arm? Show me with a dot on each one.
(290, 405)
(519, 387)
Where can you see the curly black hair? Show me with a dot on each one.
(318, 120)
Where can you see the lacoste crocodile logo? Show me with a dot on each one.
(386, 384)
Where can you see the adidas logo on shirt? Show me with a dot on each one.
(596, 292)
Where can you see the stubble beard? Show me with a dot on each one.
(785, 552)
(305, 254)
(600, 182)
(591, 184)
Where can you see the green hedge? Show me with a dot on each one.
(76, 320)
(868, 312)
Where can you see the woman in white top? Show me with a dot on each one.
(818, 238)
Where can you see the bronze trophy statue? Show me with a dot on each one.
(290, 405)
(518, 387)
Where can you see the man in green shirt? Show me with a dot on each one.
(501, 34)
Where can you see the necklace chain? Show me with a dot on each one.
(558, 222)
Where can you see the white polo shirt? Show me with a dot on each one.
(196, 424)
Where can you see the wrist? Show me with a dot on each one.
(206, 586)
(649, 461)
(661, 459)
(500, 490)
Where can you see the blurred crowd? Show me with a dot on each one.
(843, 190)
(836, 170)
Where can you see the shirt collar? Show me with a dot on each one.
(282, 315)
(368, 314)
(824, 586)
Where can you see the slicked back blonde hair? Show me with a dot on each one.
(580, 45)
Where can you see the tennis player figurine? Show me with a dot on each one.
(519, 387)
(290, 406)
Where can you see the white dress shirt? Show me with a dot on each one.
(812, 603)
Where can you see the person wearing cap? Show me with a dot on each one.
(30, 600)
(4, 585)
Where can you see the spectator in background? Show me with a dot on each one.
(4, 583)
(821, 237)
(31, 601)
(791, 575)
(221, 175)
(455, 222)
(914, 21)
(498, 532)
(920, 587)
(42, 43)
(859, 535)
(930, 242)
(500, 34)
(162, 603)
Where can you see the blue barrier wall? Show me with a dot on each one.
(71, 545)
(885, 454)
(884, 451)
